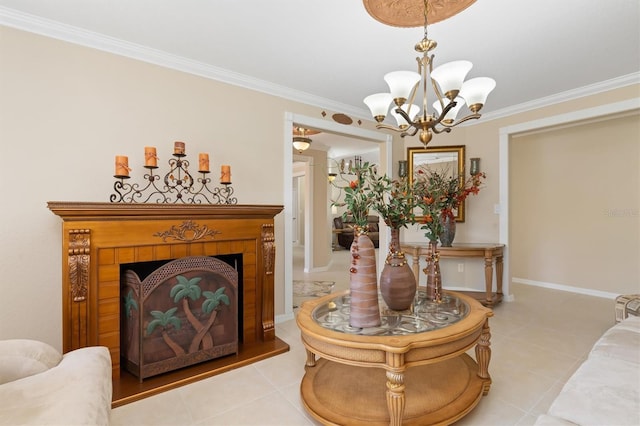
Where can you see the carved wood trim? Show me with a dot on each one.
(79, 259)
(188, 231)
(268, 248)
(268, 260)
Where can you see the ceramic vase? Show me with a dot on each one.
(363, 284)
(434, 280)
(397, 282)
(448, 230)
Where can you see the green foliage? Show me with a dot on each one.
(130, 303)
(392, 199)
(186, 288)
(213, 300)
(164, 320)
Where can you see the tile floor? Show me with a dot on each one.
(538, 341)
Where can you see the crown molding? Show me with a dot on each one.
(49, 28)
(569, 95)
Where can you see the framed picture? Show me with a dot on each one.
(446, 160)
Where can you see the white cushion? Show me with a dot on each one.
(601, 392)
(622, 342)
(22, 358)
(77, 391)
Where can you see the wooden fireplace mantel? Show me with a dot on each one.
(99, 237)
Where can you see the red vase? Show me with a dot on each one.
(363, 283)
(397, 282)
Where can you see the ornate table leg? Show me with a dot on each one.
(395, 397)
(483, 356)
(499, 272)
(311, 359)
(488, 278)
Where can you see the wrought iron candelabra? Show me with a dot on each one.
(179, 187)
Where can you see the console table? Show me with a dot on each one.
(412, 370)
(492, 254)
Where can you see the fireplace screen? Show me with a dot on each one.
(184, 312)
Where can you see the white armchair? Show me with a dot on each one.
(38, 385)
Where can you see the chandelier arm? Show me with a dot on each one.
(412, 97)
(407, 133)
(423, 72)
(405, 116)
(462, 120)
(445, 129)
(388, 127)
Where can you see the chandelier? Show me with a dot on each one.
(300, 141)
(448, 84)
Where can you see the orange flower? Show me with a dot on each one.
(427, 218)
(428, 200)
(353, 184)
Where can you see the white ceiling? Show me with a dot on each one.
(331, 53)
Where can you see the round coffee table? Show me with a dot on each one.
(412, 370)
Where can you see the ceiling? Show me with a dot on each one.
(332, 54)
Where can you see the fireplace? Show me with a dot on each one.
(99, 238)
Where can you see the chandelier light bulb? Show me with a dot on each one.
(379, 105)
(450, 77)
(401, 84)
(476, 90)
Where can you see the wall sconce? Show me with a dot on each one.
(332, 177)
(402, 168)
(475, 166)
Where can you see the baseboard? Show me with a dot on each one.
(284, 317)
(570, 289)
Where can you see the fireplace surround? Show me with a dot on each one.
(99, 237)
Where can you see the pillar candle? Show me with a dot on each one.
(203, 161)
(225, 174)
(122, 165)
(150, 157)
(178, 148)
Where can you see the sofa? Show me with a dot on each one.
(41, 386)
(345, 230)
(605, 390)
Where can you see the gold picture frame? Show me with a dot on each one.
(448, 159)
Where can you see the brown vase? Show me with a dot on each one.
(434, 280)
(397, 282)
(364, 311)
(448, 230)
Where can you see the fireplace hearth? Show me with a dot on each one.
(99, 238)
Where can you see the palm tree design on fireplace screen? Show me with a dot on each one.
(186, 312)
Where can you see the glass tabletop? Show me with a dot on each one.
(424, 315)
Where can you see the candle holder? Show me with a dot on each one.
(178, 187)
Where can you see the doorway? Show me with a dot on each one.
(384, 141)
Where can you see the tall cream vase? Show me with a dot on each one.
(363, 284)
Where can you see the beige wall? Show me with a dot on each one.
(67, 110)
(574, 202)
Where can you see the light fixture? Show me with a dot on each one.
(448, 83)
(300, 141)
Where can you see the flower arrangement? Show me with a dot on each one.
(438, 195)
(393, 200)
(358, 197)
